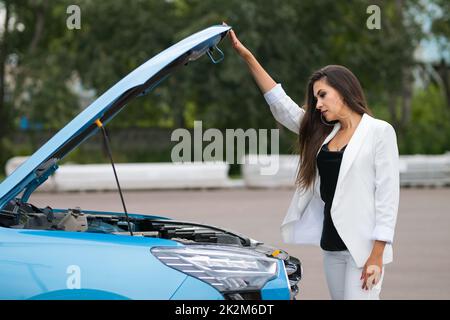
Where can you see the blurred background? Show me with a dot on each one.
(49, 73)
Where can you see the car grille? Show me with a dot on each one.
(294, 272)
(247, 295)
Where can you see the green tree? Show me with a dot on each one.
(441, 32)
(41, 59)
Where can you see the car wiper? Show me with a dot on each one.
(182, 224)
(8, 213)
(108, 149)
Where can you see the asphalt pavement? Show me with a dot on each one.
(421, 267)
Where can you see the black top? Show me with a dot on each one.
(329, 163)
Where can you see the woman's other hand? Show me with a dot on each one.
(372, 271)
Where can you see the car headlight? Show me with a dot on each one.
(225, 268)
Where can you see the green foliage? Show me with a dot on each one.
(290, 38)
(429, 129)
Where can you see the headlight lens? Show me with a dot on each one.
(225, 268)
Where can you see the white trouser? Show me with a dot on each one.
(343, 277)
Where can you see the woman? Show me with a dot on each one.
(348, 188)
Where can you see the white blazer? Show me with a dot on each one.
(365, 202)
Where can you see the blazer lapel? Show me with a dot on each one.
(350, 153)
(330, 136)
(353, 146)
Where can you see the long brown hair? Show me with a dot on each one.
(312, 131)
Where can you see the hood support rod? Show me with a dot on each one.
(108, 149)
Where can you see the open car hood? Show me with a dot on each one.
(33, 172)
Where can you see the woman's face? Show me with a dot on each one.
(329, 101)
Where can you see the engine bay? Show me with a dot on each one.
(27, 216)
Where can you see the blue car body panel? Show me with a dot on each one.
(37, 264)
(41, 264)
(278, 288)
(140, 81)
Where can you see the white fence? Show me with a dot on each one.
(253, 165)
(134, 176)
(425, 170)
(415, 170)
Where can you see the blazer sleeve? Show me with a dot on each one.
(387, 184)
(285, 111)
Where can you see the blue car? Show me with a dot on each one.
(73, 253)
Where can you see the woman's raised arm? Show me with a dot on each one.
(262, 78)
(283, 108)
